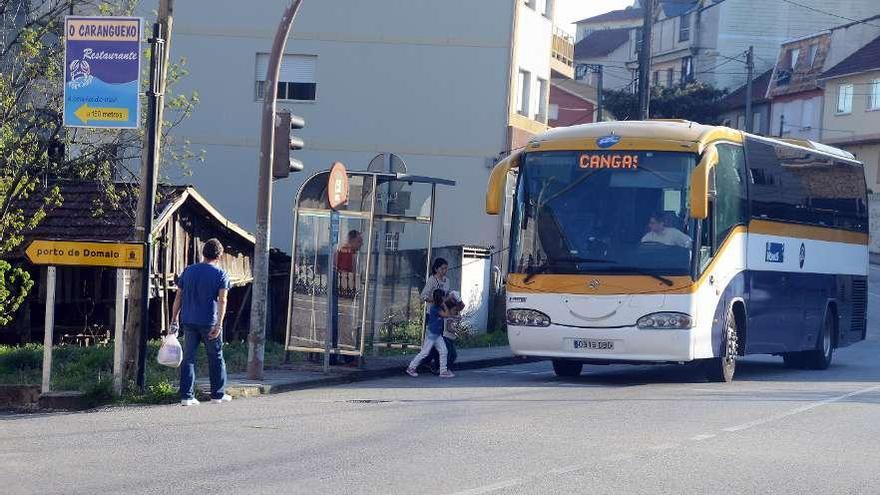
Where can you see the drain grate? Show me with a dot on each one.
(368, 401)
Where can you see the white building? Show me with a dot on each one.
(448, 86)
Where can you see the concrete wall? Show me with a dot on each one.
(874, 213)
(426, 80)
(803, 116)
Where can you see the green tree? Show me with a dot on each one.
(697, 102)
(37, 151)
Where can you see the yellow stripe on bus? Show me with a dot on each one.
(783, 229)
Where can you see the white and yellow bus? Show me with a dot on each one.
(674, 242)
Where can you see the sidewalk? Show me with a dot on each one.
(301, 376)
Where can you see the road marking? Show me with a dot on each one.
(705, 436)
(491, 488)
(808, 407)
(568, 469)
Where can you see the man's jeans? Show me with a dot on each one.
(193, 335)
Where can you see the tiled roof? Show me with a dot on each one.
(75, 219)
(615, 15)
(600, 43)
(864, 59)
(737, 98)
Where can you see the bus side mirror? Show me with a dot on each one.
(498, 183)
(700, 184)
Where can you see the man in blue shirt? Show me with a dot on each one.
(200, 306)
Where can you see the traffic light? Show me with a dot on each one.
(283, 164)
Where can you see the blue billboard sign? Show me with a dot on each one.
(102, 68)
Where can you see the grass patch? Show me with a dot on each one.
(90, 369)
(498, 338)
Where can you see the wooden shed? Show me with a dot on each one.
(85, 298)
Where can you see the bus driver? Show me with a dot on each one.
(661, 234)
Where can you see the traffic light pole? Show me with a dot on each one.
(257, 337)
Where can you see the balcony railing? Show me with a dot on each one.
(563, 47)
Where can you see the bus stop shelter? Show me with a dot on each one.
(382, 261)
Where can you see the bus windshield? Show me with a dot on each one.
(623, 212)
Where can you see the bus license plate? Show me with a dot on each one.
(593, 345)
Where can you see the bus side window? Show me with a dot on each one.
(731, 199)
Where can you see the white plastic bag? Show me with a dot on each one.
(170, 353)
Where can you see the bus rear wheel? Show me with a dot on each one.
(820, 357)
(567, 369)
(723, 367)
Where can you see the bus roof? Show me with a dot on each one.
(661, 135)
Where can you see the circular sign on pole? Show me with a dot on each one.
(337, 186)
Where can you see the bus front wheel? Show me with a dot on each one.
(567, 369)
(722, 368)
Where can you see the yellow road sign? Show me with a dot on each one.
(86, 253)
(85, 113)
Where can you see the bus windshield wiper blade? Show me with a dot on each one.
(661, 278)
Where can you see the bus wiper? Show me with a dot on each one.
(535, 270)
(661, 278)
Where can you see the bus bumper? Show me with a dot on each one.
(627, 344)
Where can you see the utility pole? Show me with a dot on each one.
(257, 336)
(645, 61)
(137, 325)
(750, 71)
(598, 70)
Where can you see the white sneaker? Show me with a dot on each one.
(189, 402)
(447, 374)
(225, 398)
(411, 372)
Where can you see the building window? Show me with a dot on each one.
(874, 99)
(656, 80)
(814, 49)
(542, 101)
(296, 79)
(740, 121)
(687, 70)
(793, 55)
(756, 123)
(529, 3)
(670, 75)
(844, 98)
(542, 6)
(684, 28)
(522, 92)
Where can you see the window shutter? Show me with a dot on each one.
(294, 68)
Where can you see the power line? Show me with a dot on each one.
(820, 11)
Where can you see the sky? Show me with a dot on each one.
(569, 11)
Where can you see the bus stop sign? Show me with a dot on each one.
(337, 186)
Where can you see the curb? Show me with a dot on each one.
(280, 388)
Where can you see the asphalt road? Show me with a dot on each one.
(515, 429)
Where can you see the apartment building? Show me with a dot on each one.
(852, 108)
(448, 86)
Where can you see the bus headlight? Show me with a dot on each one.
(527, 318)
(665, 321)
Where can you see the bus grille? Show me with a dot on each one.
(860, 306)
